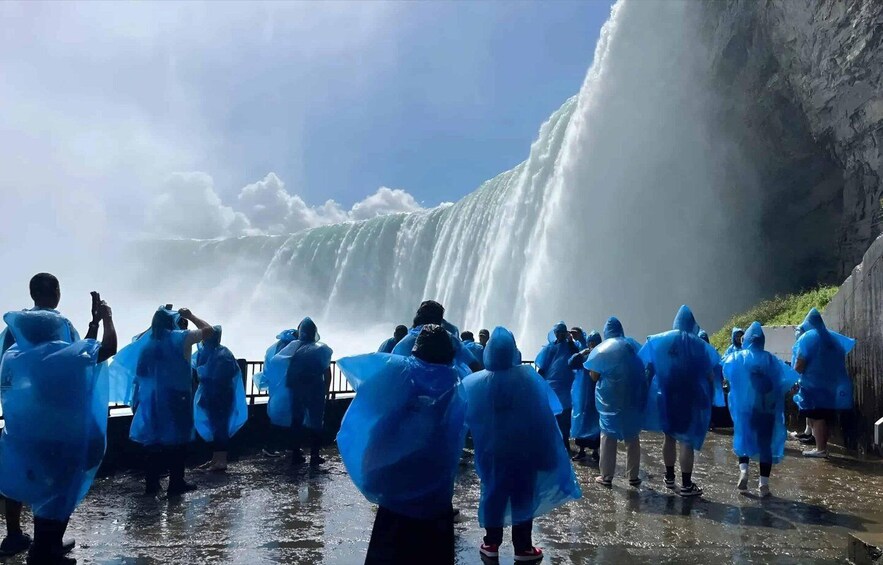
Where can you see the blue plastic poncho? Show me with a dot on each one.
(402, 437)
(553, 363)
(682, 365)
(476, 349)
(734, 346)
(54, 396)
(282, 340)
(388, 345)
(162, 397)
(825, 383)
(219, 407)
(759, 382)
(584, 422)
(524, 469)
(621, 392)
(463, 358)
(719, 400)
(295, 378)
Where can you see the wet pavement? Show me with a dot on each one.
(262, 512)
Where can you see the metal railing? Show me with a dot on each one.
(339, 388)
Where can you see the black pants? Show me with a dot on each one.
(765, 468)
(48, 536)
(564, 425)
(162, 458)
(402, 540)
(521, 536)
(589, 442)
(298, 435)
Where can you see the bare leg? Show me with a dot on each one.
(820, 432)
(687, 456)
(669, 451)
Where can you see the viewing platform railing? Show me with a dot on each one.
(339, 387)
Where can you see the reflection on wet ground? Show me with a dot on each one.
(261, 512)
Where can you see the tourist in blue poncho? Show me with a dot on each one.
(282, 340)
(431, 312)
(580, 337)
(401, 441)
(621, 396)
(298, 378)
(159, 364)
(584, 422)
(553, 364)
(524, 470)
(476, 349)
(825, 384)
(483, 337)
(220, 407)
(53, 387)
(719, 400)
(759, 382)
(682, 368)
(277, 439)
(390, 343)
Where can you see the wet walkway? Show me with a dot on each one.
(263, 513)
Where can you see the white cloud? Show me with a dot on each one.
(384, 201)
(188, 206)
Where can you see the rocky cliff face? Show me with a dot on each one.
(801, 86)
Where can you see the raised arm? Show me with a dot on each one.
(103, 315)
(203, 327)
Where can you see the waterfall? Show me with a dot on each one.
(616, 210)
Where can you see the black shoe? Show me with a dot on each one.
(594, 457)
(579, 456)
(181, 488)
(274, 453)
(808, 440)
(152, 489)
(48, 558)
(68, 545)
(692, 490)
(14, 544)
(316, 460)
(297, 459)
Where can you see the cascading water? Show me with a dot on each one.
(617, 210)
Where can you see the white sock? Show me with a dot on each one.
(764, 481)
(743, 467)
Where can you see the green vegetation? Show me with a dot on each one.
(779, 311)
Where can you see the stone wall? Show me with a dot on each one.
(801, 90)
(857, 311)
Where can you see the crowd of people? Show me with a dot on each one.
(417, 398)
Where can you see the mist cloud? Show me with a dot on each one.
(188, 206)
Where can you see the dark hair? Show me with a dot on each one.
(434, 345)
(45, 289)
(401, 329)
(429, 312)
(484, 332)
(467, 336)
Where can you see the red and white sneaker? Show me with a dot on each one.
(532, 555)
(492, 551)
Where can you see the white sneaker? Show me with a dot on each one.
(765, 491)
(816, 454)
(743, 481)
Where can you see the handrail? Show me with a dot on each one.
(338, 388)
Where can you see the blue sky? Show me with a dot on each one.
(107, 100)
